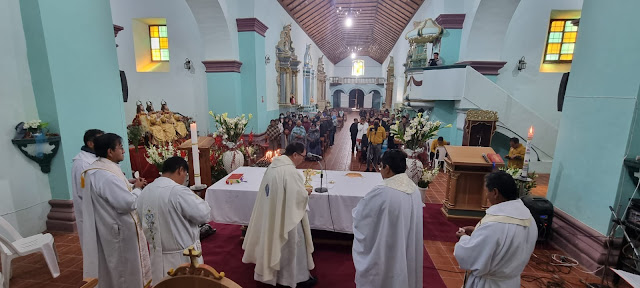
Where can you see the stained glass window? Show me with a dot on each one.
(358, 68)
(159, 43)
(561, 41)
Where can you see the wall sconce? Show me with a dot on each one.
(267, 59)
(522, 64)
(187, 64)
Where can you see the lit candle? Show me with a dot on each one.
(525, 167)
(195, 154)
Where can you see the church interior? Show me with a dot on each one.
(207, 79)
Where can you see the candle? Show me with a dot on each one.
(525, 167)
(195, 155)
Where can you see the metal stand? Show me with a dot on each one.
(321, 189)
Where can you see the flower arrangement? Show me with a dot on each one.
(523, 186)
(35, 126)
(231, 129)
(419, 130)
(158, 154)
(428, 175)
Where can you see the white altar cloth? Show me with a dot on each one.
(232, 204)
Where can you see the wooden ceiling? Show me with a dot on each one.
(374, 31)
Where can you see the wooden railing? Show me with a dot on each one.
(356, 80)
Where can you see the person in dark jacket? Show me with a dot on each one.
(354, 134)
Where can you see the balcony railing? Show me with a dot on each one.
(356, 80)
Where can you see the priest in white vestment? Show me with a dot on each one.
(496, 251)
(114, 247)
(387, 230)
(81, 162)
(278, 238)
(170, 214)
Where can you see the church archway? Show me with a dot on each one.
(377, 99)
(214, 30)
(356, 98)
(489, 23)
(336, 98)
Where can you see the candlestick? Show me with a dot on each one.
(195, 154)
(525, 166)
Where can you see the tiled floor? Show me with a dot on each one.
(31, 271)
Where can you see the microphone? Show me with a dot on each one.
(314, 155)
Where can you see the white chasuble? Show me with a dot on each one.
(387, 235)
(81, 162)
(278, 238)
(170, 214)
(500, 247)
(114, 247)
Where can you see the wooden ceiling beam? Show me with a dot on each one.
(299, 5)
(312, 11)
(405, 6)
(326, 14)
(384, 15)
(397, 13)
(319, 29)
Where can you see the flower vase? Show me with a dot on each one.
(423, 194)
(414, 166)
(232, 159)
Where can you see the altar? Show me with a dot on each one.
(233, 204)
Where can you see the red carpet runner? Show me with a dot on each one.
(334, 265)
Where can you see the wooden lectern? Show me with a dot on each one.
(465, 195)
(204, 146)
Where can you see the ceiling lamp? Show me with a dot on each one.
(348, 21)
(349, 14)
(353, 55)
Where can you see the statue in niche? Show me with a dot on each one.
(286, 67)
(390, 78)
(321, 85)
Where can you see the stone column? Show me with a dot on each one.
(74, 71)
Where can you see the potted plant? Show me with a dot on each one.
(36, 143)
(428, 175)
(231, 130)
(156, 155)
(524, 185)
(414, 136)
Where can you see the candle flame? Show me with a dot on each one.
(530, 132)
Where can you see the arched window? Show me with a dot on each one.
(358, 68)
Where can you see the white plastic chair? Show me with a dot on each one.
(439, 158)
(13, 245)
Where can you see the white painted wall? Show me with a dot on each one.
(184, 91)
(371, 68)
(526, 37)
(23, 188)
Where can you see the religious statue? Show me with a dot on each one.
(322, 84)
(286, 66)
(161, 126)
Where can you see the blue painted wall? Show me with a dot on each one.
(450, 46)
(253, 81)
(224, 94)
(74, 72)
(445, 112)
(582, 183)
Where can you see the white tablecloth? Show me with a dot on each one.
(233, 204)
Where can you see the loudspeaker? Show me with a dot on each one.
(125, 86)
(542, 211)
(562, 90)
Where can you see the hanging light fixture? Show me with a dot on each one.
(522, 64)
(349, 15)
(348, 21)
(353, 55)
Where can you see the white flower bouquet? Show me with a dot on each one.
(35, 126)
(156, 155)
(419, 130)
(524, 186)
(231, 129)
(428, 175)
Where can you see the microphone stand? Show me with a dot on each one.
(321, 189)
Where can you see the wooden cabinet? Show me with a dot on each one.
(479, 127)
